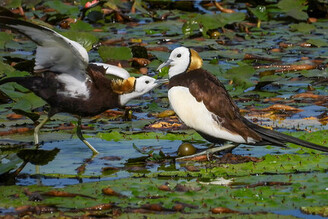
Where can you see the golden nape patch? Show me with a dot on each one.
(196, 61)
(120, 86)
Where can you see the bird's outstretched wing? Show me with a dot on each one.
(54, 52)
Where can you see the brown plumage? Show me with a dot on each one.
(208, 89)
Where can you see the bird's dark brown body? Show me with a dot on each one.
(46, 86)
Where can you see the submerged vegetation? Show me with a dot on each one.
(272, 57)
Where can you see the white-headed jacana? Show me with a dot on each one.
(202, 103)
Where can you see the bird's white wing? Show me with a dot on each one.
(114, 70)
(54, 52)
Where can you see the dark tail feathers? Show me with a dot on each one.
(12, 79)
(277, 138)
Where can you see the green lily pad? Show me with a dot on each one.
(322, 210)
(294, 8)
(116, 53)
(87, 40)
(260, 12)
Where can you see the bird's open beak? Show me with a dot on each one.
(167, 63)
(162, 81)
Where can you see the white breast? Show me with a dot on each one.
(195, 115)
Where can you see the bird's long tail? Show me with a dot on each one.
(19, 80)
(273, 137)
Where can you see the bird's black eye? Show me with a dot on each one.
(179, 55)
(147, 82)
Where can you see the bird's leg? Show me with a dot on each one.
(210, 151)
(37, 130)
(79, 134)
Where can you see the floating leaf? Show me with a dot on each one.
(81, 26)
(85, 39)
(38, 156)
(116, 53)
(317, 42)
(241, 75)
(294, 8)
(189, 28)
(4, 38)
(260, 12)
(303, 27)
(63, 8)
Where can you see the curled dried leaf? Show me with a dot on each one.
(222, 9)
(306, 95)
(281, 107)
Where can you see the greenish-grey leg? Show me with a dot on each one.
(210, 151)
(79, 134)
(37, 130)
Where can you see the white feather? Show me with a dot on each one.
(73, 87)
(114, 70)
(195, 115)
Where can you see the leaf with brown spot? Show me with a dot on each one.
(158, 48)
(235, 159)
(153, 207)
(223, 210)
(178, 207)
(111, 158)
(14, 131)
(109, 191)
(192, 168)
(164, 188)
(269, 184)
(56, 193)
(81, 169)
(99, 207)
(184, 188)
(248, 56)
(196, 158)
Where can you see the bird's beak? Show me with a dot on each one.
(162, 81)
(167, 63)
(159, 82)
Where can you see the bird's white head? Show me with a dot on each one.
(182, 60)
(142, 85)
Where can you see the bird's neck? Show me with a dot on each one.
(177, 69)
(173, 73)
(125, 98)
